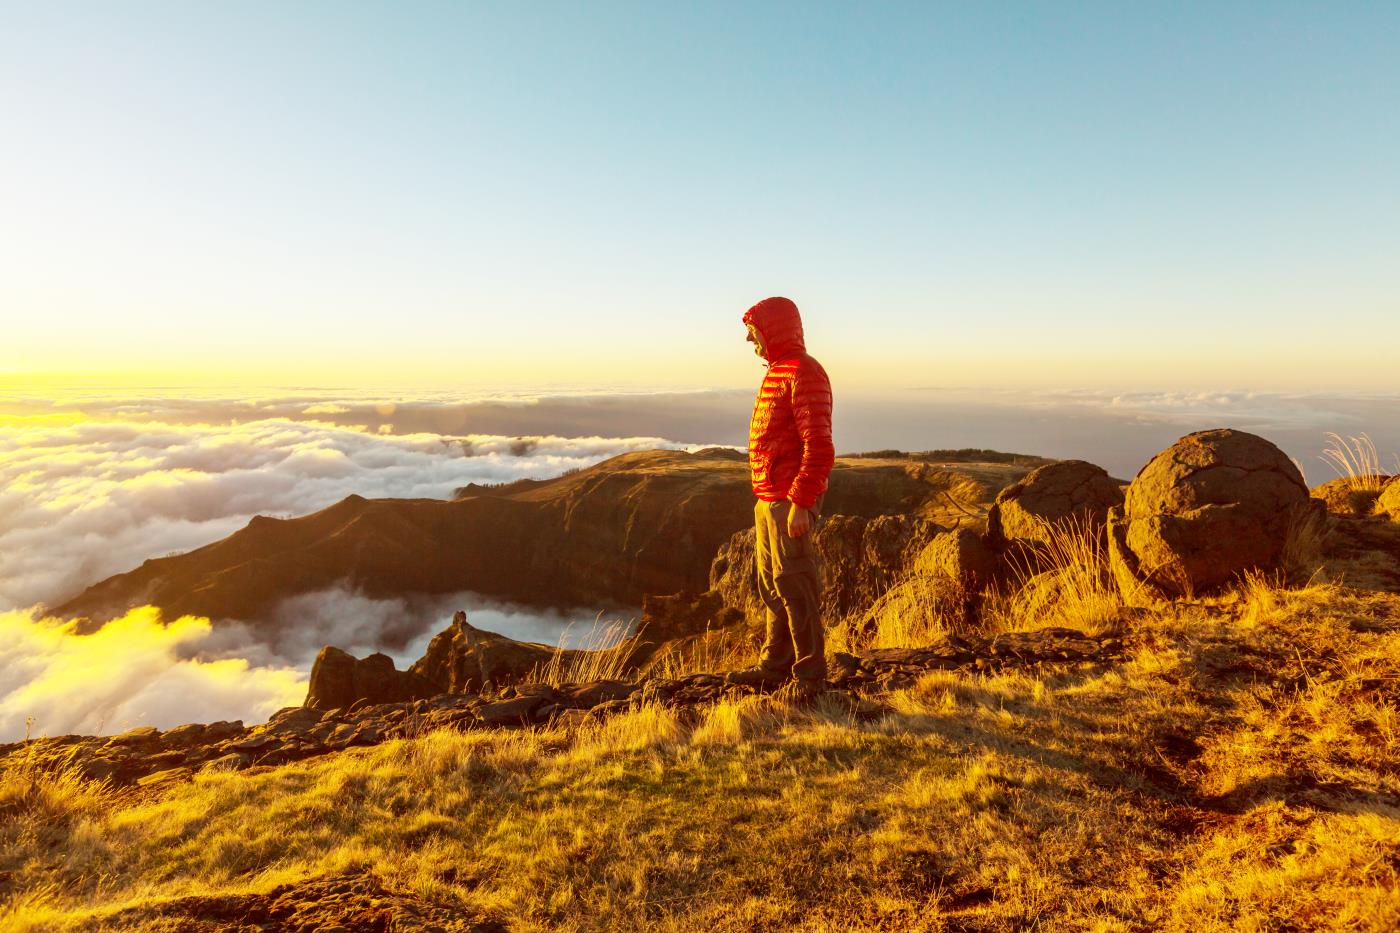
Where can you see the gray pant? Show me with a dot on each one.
(789, 583)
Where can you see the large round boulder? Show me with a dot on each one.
(1209, 508)
(1071, 490)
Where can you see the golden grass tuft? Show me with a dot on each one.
(1064, 581)
(605, 654)
(1354, 459)
(714, 650)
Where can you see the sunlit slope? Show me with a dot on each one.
(641, 523)
(1237, 771)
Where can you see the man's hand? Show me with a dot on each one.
(799, 521)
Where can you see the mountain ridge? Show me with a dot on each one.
(641, 523)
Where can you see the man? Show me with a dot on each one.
(790, 458)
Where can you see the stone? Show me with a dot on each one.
(100, 769)
(1388, 503)
(1055, 494)
(332, 679)
(610, 707)
(234, 761)
(1343, 498)
(1213, 506)
(946, 583)
(842, 666)
(861, 558)
(962, 557)
(223, 729)
(367, 734)
(254, 743)
(141, 735)
(167, 776)
(163, 760)
(295, 719)
(685, 613)
(451, 662)
(339, 679)
(571, 718)
(510, 712)
(599, 691)
(536, 690)
(185, 735)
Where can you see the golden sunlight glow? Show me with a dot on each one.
(134, 670)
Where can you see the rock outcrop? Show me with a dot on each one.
(464, 659)
(1345, 496)
(861, 558)
(679, 615)
(1388, 503)
(339, 680)
(1055, 493)
(1204, 511)
(947, 581)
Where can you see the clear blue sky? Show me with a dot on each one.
(1135, 195)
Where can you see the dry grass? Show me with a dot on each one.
(604, 654)
(1065, 581)
(1355, 460)
(1240, 772)
(715, 650)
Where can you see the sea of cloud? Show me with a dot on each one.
(83, 500)
(91, 490)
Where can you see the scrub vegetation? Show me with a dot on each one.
(1239, 772)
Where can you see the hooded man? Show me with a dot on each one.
(790, 458)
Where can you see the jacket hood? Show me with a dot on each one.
(781, 326)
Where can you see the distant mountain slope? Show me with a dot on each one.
(648, 522)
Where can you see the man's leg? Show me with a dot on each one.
(797, 581)
(777, 655)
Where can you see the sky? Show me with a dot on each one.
(1139, 196)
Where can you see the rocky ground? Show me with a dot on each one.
(146, 757)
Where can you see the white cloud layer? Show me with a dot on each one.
(82, 501)
(140, 670)
(87, 495)
(135, 670)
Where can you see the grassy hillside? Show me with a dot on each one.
(1239, 772)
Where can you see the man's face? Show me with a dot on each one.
(755, 337)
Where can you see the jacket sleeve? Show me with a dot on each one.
(811, 409)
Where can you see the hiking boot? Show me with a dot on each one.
(802, 690)
(759, 677)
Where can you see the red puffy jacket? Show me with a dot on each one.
(790, 449)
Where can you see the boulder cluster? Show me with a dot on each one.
(1211, 508)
